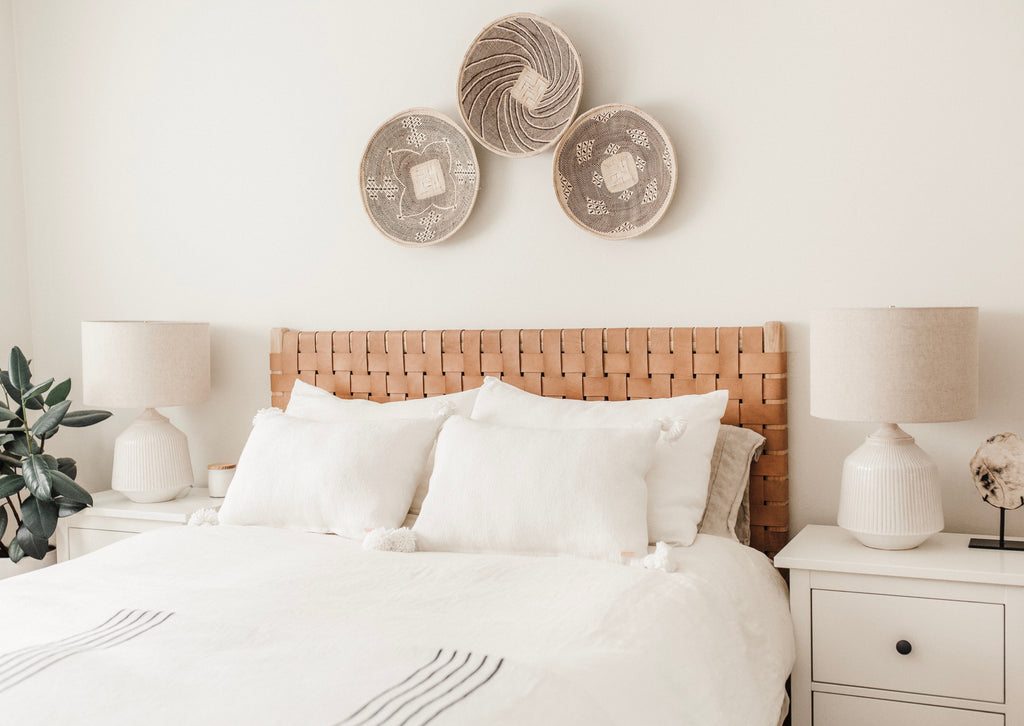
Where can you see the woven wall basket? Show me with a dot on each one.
(615, 171)
(520, 85)
(419, 177)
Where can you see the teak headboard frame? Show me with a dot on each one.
(591, 363)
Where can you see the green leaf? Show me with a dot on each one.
(67, 466)
(38, 389)
(67, 488)
(50, 461)
(59, 393)
(19, 447)
(12, 390)
(10, 484)
(37, 476)
(33, 545)
(7, 414)
(14, 551)
(49, 422)
(81, 419)
(21, 376)
(3, 521)
(35, 403)
(66, 507)
(40, 516)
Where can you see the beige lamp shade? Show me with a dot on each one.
(894, 365)
(145, 364)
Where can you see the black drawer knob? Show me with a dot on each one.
(903, 647)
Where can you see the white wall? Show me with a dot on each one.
(197, 159)
(15, 323)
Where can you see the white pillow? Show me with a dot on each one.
(509, 489)
(342, 477)
(316, 404)
(677, 484)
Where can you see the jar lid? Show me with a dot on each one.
(221, 466)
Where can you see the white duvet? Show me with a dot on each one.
(250, 625)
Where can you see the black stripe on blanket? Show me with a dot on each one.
(124, 625)
(427, 692)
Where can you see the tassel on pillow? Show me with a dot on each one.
(673, 427)
(657, 560)
(390, 540)
(445, 409)
(204, 518)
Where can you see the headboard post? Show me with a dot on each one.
(594, 363)
(771, 471)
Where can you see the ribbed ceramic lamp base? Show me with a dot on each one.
(151, 461)
(890, 497)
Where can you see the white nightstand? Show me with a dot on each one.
(933, 635)
(114, 517)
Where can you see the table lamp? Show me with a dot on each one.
(147, 364)
(890, 366)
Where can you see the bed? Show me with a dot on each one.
(266, 624)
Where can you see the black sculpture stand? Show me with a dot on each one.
(997, 544)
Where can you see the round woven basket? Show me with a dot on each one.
(419, 177)
(520, 85)
(615, 171)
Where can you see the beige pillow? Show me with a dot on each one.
(727, 513)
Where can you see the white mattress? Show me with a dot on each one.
(225, 625)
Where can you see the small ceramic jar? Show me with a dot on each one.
(219, 478)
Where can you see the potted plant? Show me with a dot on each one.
(36, 488)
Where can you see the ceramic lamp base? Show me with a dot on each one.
(151, 461)
(890, 497)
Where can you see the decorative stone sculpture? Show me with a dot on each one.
(998, 469)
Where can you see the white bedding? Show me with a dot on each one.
(251, 625)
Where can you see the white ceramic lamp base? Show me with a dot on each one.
(890, 497)
(151, 461)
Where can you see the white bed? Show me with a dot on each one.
(254, 625)
(286, 624)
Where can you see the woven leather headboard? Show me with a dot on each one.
(592, 363)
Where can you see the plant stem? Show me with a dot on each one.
(14, 510)
(28, 433)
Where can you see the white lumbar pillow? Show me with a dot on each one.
(316, 404)
(509, 489)
(343, 477)
(677, 484)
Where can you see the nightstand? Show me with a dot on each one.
(114, 517)
(933, 635)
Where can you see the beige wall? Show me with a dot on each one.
(15, 323)
(196, 159)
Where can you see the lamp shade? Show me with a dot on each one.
(894, 365)
(145, 364)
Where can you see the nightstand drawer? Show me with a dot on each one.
(83, 541)
(956, 648)
(831, 709)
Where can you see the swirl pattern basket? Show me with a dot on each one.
(520, 85)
